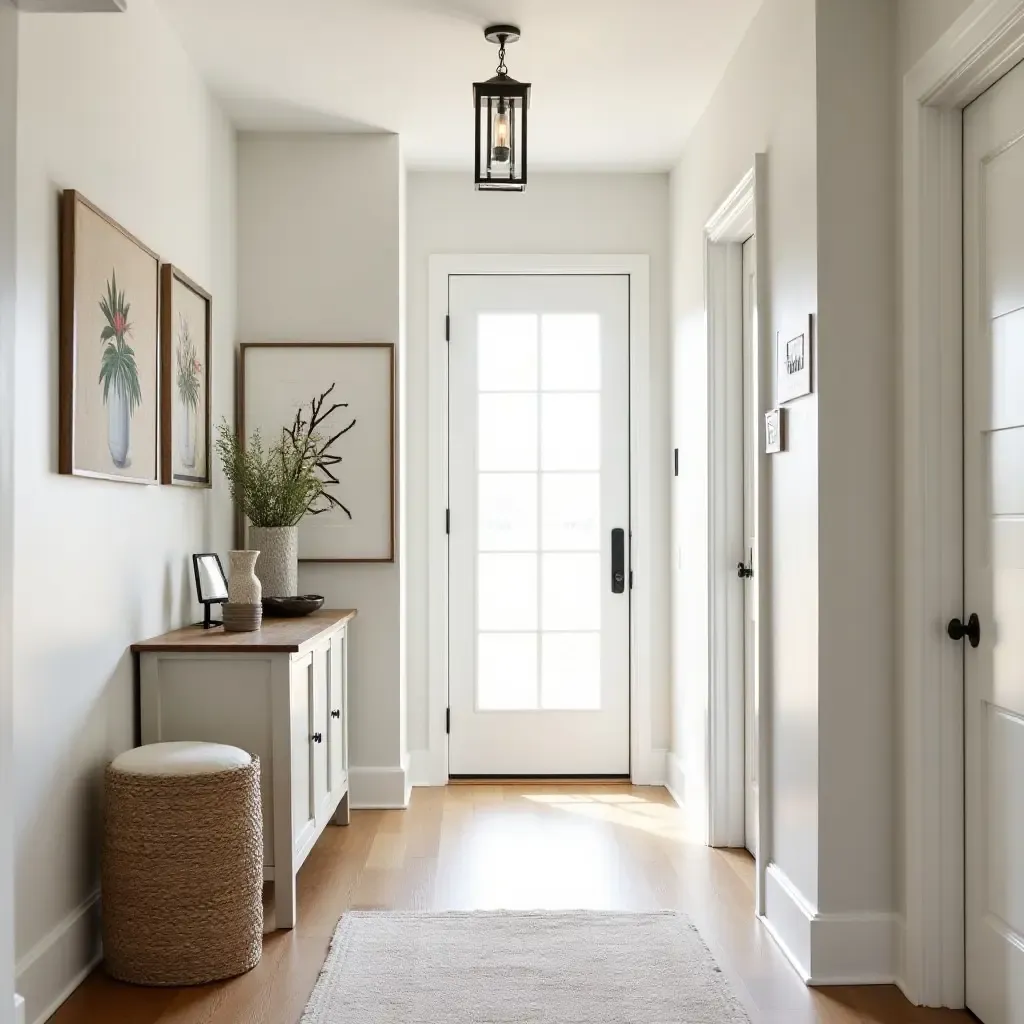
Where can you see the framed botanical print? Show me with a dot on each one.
(186, 329)
(109, 348)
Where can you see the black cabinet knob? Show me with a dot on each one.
(336, 713)
(957, 630)
(318, 737)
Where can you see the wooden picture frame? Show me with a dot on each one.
(306, 372)
(109, 348)
(186, 406)
(794, 359)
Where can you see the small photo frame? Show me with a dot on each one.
(186, 327)
(774, 431)
(793, 365)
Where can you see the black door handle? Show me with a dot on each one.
(956, 630)
(317, 737)
(618, 560)
(336, 713)
(746, 572)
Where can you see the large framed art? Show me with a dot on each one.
(354, 384)
(186, 327)
(109, 348)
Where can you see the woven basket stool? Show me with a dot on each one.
(182, 876)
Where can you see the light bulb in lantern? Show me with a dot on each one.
(500, 152)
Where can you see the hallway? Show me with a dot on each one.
(467, 847)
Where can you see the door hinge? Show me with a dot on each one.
(447, 720)
(447, 327)
(447, 520)
(675, 458)
(630, 579)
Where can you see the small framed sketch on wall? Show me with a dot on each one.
(109, 400)
(346, 391)
(793, 364)
(774, 431)
(186, 326)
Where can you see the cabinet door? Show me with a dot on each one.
(303, 808)
(337, 755)
(320, 733)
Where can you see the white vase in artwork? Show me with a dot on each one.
(187, 438)
(244, 586)
(278, 567)
(118, 425)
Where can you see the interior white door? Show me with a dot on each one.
(539, 525)
(751, 435)
(994, 548)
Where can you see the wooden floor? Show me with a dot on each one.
(512, 846)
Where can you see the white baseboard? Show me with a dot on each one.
(378, 788)
(56, 965)
(427, 768)
(649, 769)
(830, 949)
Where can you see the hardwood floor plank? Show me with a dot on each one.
(528, 844)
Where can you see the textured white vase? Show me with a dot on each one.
(243, 584)
(278, 567)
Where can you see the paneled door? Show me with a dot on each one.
(994, 549)
(751, 436)
(539, 525)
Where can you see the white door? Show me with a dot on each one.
(751, 435)
(539, 525)
(994, 548)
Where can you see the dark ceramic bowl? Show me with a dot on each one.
(292, 607)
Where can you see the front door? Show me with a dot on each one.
(994, 549)
(539, 525)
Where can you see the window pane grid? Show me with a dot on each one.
(554, 662)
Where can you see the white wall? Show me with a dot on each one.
(857, 368)
(109, 105)
(8, 259)
(765, 102)
(921, 23)
(558, 213)
(319, 259)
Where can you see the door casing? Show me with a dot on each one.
(980, 47)
(647, 764)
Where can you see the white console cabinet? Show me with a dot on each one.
(280, 693)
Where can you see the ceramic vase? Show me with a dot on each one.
(278, 567)
(244, 586)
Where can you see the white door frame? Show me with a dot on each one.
(8, 260)
(647, 766)
(740, 216)
(979, 49)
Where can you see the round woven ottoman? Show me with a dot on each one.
(182, 876)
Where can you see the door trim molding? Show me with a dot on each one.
(740, 216)
(647, 765)
(980, 47)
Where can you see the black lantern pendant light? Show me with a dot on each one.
(500, 105)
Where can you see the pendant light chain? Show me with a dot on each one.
(501, 69)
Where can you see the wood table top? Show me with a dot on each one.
(277, 636)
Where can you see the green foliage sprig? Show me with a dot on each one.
(279, 485)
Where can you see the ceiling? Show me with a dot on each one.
(617, 84)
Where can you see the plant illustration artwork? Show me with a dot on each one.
(119, 372)
(189, 381)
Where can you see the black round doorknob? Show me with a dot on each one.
(971, 630)
(745, 572)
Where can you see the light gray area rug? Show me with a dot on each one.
(562, 967)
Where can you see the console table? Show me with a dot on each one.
(280, 693)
